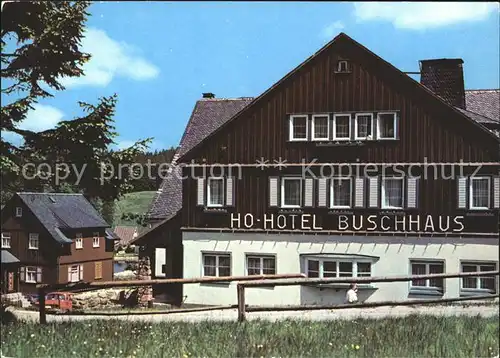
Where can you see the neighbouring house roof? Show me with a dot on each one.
(58, 211)
(478, 117)
(8, 258)
(208, 115)
(125, 234)
(485, 103)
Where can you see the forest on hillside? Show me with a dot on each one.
(159, 160)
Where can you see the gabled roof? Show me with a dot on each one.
(385, 66)
(484, 102)
(58, 212)
(208, 115)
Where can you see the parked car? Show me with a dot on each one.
(58, 301)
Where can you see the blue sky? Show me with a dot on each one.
(159, 57)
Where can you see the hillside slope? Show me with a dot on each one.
(137, 203)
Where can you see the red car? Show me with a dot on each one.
(58, 301)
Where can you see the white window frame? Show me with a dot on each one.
(339, 66)
(314, 137)
(78, 269)
(33, 270)
(427, 264)
(478, 265)
(95, 240)
(290, 121)
(379, 136)
(335, 137)
(471, 196)
(332, 205)
(32, 239)
(261, 258)
(209, 196)
(6, 240)
(217, 255)
(283, 179)
(19, 211)
(382, 184)
(338, 260)
(79, 241)
(356, 126)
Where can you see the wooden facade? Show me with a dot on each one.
(428, 131)
(428, 128)
(166, 235)
(54, 261)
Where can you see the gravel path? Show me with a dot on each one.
(317, 315)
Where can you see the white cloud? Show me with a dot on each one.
(331, 30)
(421, 15)
(110, 59)
(41, 118)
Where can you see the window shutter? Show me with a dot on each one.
(309, 193)
(373, 190)
(273, 191)
(80, 273)
(22, 274)
(230, 191)
(38, 274)
(462, 192)
(412, 190)
(322, 192)
(359, 193)
(201, 192)
(69, 273)
(496, 192)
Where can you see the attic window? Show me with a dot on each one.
(342, 66)
(19, 212)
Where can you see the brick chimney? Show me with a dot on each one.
(208, 95)
(445, 77)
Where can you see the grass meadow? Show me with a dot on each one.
(137, 203)
(412, 336)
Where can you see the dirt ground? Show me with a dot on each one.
(315, 315)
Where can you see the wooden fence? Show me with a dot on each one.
(243, 308)
(43, 289)
(266, 281)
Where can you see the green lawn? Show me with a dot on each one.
(413, 336)
(137, 203)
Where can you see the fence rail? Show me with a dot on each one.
(269, 281)
(243, 308)
(45, 288)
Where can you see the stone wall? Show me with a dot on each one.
(145, 293)
(97, 300)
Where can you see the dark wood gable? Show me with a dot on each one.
(428, 127)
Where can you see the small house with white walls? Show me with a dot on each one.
(346, 167)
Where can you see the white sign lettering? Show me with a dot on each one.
(342, 222)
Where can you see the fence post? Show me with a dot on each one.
(41, 305)
(241, 302)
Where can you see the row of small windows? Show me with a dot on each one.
(33, 274)
(475, 193)
(34, 241)
(343, 126)
(218, 264)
